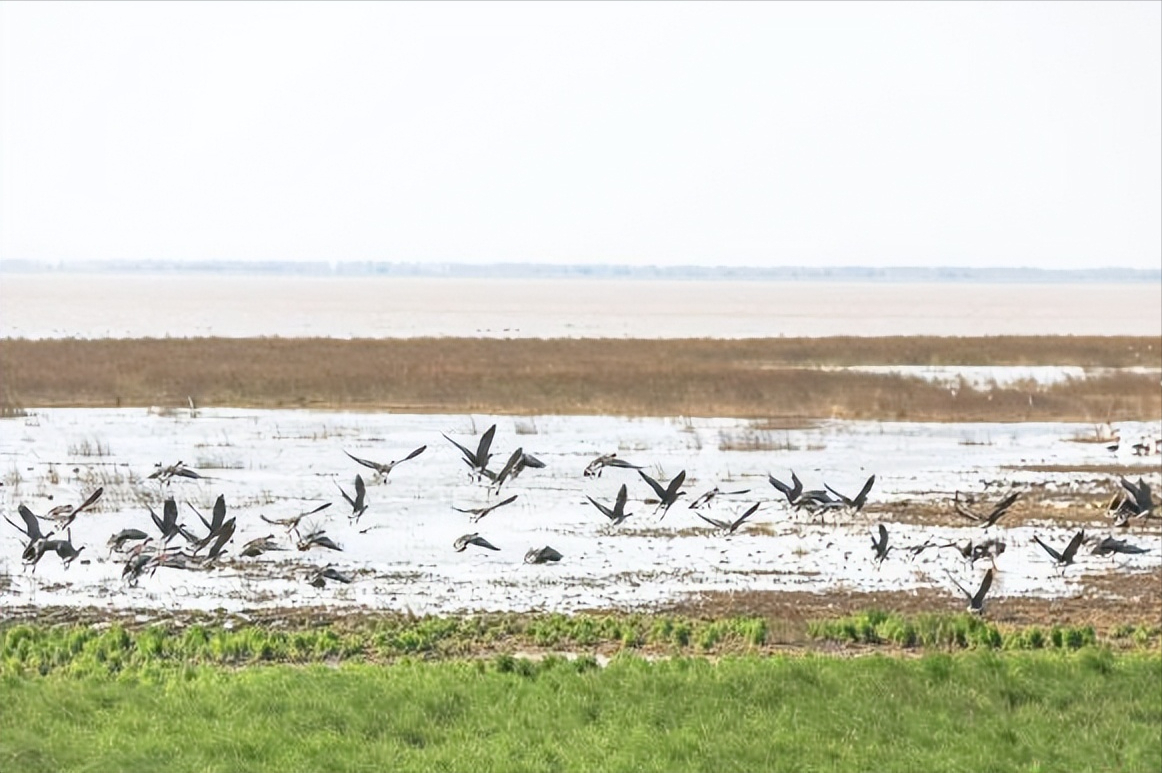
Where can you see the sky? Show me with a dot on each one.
(748, 134)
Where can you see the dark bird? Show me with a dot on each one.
(542, 555)
(462, 543)
(881, 547)
(319, 577)
(666, 496)
(976, 600)
(317, 537)
(706, 498)
(857, 502)
(31, 529)
(993, 515)
(791, 492)
(595, 467)
(358, 504)
(65, 549)
(479, 512)
(516, 464)
(217, 540)
(1110, 545)
(477, 460)
(217, 517)
(292, 523)
(730, 526)
(383, 470)
(617, 514)
(168, 524)
(1065, 557)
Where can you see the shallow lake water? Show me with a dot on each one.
(119, 306)
(280, 463)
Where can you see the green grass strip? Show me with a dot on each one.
(986, 710)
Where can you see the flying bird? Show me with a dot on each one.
(1065, 557)
(706, 498)
(666, 496)
(617, 514)
(976, 600)
(542, 555)
(730, 526)
(358, 504)
(994, 515)
(479, 512)
(292, 523)
(461, 544)
(857, 502)
(881, 547)
(595, 467)
(477, 460)
(383, 470)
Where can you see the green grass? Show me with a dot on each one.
(966, 631)
(984, 710)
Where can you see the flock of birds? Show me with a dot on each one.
(144, 553)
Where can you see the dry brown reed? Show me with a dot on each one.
(766, 379)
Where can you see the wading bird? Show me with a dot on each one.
(383, 470)
(666, 496)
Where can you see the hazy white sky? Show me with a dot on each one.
(978, 134)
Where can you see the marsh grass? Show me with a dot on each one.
(769, 379)
(975, 711)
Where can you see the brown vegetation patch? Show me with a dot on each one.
(584, 376)
(1104, 602)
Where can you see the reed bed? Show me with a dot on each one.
(759, 378)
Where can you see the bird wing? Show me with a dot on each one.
(622, 464)
(1002, 507)
(861, 497)
(508, 467)
(967, 595)
(528, 460)
(675, 484)
(502, 503)
(468, 455)
(1071, 548)
(1049, 550)
(203, 520)
(481, 542)
(482, 450)
(413, 454)
(90, 501)
(224, 536)
(985, 584)
(170, 514)
(796, 486)
(156, 521)
(365, 462)
(657, 487)
(750, 511)
(360, 493)
(778, 484)
(604, 510)
(350, 501)
(842, 498)
(619, 505)
(724, 525)
(219, 513)
(32, 526)
(883, 536)
(185, 472)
